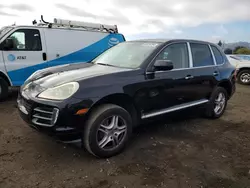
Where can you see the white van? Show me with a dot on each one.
(26, 49)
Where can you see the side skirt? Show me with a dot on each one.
(174, 108)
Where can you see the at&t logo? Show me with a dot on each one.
(11, 57)
(113, 41)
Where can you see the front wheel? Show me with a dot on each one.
(107, 131)
(243, 77)
(217, 103)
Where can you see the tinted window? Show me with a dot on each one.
(26, 40)
(177, 53)
(218, 57)
(201, 55)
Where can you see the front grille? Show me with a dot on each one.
(45, 116)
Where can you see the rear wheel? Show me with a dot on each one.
(217, 103)
(107, 131)
(243, 77)
(4, 89)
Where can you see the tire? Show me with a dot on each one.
(243, 77)
(4, 89)
(210, 111)
(92, 130)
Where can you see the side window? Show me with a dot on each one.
(218, 56)
(26, 40)
(201, 55)
(177, 53)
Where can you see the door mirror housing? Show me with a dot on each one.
(163, 65)
(8, 44)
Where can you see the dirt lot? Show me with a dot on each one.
(193, 152)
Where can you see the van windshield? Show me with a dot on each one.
(4, 30)
(126, 54)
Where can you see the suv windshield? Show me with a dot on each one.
(127, 54)
(4, 30)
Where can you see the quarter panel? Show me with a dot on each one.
(227, 72)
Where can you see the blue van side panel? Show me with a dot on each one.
(83, 55)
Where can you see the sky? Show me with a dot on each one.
(211, 20)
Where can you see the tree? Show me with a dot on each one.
(220, 43)
(237, 48)
(228, 51)
(245, 51)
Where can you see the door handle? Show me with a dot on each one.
(44, 56)
(216, 73)
(188, 77)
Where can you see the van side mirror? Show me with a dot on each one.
(8, 44)
(163, 65)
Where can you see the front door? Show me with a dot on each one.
(26, 56)
(171, 88)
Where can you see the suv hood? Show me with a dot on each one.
(58, 75)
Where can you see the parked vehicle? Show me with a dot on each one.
(101, 101)
(242, 64)
(26, 49)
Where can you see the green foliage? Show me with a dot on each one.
(237, 48)
(245, 51)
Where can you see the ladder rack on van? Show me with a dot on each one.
(77, 24)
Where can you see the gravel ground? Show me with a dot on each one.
(178, 153)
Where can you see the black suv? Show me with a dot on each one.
(100, 102)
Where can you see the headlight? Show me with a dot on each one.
(60, 92)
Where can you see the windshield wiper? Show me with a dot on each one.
(106, 64)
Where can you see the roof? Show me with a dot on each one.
(151, 40)
(171, 40)
(57, 27)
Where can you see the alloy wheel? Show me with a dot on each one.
(245, 78)
(111, 132)
(220, 103)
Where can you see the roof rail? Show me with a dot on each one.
(78, 24)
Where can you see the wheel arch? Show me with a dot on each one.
(6, 78)
(243, 68)
(227, 85)
(120, 99)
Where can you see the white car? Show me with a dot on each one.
(242, 64)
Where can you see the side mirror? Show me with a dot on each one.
(163, 65)
(9, 44)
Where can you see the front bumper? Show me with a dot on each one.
(57, 119)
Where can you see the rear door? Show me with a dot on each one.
(26, 56)
(205, 73)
